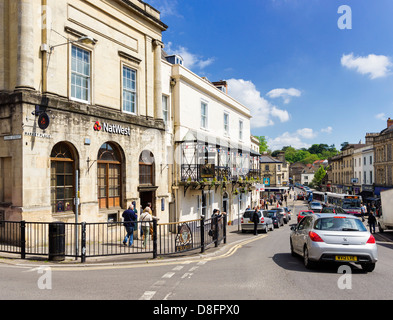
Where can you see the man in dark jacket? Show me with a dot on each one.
(129, 218)
(255, 219)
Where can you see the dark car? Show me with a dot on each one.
(277, 217)
(333, 209)
(283, 212)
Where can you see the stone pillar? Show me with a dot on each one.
(25, 46)
(157, 45)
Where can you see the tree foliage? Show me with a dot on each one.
(315, 152)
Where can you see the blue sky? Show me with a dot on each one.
(304, 79)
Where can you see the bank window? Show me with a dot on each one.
(62, 179)
(109, 176)
(129, 90)
(80, 74)
(203, 115)
(146, 168)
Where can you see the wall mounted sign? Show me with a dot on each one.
(112, 128)
(43, 121)
(38, 135)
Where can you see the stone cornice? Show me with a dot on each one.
(64, 105)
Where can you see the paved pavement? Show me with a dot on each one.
(234, 238)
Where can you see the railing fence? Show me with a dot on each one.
(58, 240)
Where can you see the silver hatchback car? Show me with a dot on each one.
(333, 237)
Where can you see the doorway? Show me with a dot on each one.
(147, 197)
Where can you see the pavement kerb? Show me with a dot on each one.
(111, 261)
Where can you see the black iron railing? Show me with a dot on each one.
(58, 240)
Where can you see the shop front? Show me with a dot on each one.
(84, 153)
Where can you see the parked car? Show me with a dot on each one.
(333, 209)
(300, 196)
(302, 214)
(277, 217)
(333, 238)
(315, 206)
(288, 212)
(283, 212)
(264, 224)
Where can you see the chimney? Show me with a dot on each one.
(390, 122)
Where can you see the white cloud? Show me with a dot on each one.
(294, 139)
(190, 60)
(306, 133)
(262, 111)
(286, 94)
(166, 7)
(327, 130)
(375, 66)
(381, 116)
(287, 139)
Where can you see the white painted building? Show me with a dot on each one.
(208, 134)
(363, 167)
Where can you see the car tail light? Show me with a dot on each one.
(371, 239)
(262, 220)
(242, 220)
(315, 237)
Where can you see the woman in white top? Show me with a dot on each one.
(146, 218)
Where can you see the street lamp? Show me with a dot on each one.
(83, 39)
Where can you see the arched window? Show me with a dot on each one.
(62, 178)
(146, 168)
(109, 176)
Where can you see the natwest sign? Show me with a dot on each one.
(112, 128)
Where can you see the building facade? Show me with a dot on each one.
(81, 110)
(208, 136)
(383, 164)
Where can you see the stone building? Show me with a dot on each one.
(81, 110)
(383, 164)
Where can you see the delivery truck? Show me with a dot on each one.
(385, 221)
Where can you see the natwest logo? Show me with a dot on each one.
(97, 126)
(112, 128)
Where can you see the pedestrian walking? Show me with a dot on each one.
(363, 211)
(371, 221)
(145, 219)
(129, 219)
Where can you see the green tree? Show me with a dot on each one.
(263, 147)
(318, 176)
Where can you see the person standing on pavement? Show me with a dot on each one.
(371, 221)
(255, 219)
(146, 218)
(129, 219)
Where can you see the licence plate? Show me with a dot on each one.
(346, 258)
(250, 221)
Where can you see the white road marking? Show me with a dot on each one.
(168, 275)
(148, 295)
(177, 268)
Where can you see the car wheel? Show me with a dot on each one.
(368, 267)
(307, 263)
(266, 229)
(292, 251)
